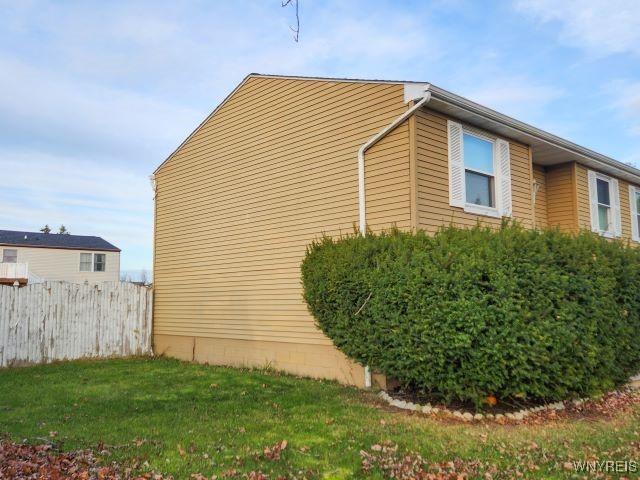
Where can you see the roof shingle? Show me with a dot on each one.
(53, 240)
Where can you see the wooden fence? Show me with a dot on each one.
(51, 321)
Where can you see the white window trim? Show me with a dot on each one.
(614, 207)
(472, 207)
(93, 262)
(503, 199)
(481, 210)
(633, 192)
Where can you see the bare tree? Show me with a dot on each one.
(296, 30)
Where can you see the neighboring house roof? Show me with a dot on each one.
(54, 240)
(548, 149)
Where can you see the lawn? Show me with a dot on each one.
(179, 418)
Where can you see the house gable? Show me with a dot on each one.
(274, 168)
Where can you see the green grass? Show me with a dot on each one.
(222, 418)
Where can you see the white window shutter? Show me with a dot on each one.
(504, 188)
(635, 234)
(456, 165)
(593, 201)
(615, 207)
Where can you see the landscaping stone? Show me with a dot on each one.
(470, 416)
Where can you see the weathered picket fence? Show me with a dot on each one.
(51, 321)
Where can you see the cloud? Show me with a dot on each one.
(517, 96)
(601, 27)
(89, 198)
(99, 94)
(67, 115)
(625, 102)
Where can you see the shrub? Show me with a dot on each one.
(466, 313)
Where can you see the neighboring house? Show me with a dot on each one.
(277, 164)
(30, 257)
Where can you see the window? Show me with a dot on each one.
(99, 262)
(479, 172)
(9, 255)
(605, 204)
(636, 220)
(478, 164)
(93, 262)
(85, 262)
(634, 202)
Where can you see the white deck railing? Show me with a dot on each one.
(14, 270)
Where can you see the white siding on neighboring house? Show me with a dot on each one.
(64, 264)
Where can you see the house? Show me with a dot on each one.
(283, 160)
(30, 257)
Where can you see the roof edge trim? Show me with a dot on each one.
(197, 129)
(263, 75)
(526, 129)
(23, 245)
(452, 99)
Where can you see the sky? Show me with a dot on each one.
(95, 95)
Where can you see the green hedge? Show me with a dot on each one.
(515, 313)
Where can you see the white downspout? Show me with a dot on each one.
(362, 212)
(154, 187)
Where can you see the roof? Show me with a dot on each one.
(54, 240)
(548, 149)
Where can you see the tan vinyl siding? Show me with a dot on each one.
(434, 210)
(276, 167)
(387, 175)
(584, 206)
(540, 206)
(238, 203)
(625, 209)
(561, 197)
